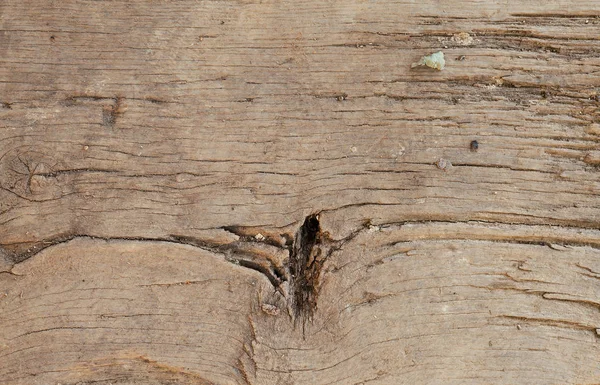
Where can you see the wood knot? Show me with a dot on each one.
(31, 174)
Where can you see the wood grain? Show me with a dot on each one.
(159, 159)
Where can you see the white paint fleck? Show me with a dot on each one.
(435, 60)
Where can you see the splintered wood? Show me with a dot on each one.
(246, 192)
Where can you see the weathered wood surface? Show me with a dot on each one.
(158, 161)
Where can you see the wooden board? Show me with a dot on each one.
(240, 192)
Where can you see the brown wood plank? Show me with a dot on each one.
(158, 161)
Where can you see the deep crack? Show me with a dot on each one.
(307, 254)
(306, 261)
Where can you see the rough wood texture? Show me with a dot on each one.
(244, 192)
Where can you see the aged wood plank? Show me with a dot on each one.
(169, 153)
(390, 310)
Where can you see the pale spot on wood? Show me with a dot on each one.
(435, 60)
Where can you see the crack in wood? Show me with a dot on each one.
(305, 264)
(562, 323)
(231, 252)
(303, 269)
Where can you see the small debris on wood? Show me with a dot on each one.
(435, 60)
(270, 309)
(443, 164)
(259, 237)
(474, 145)
(462, 38)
